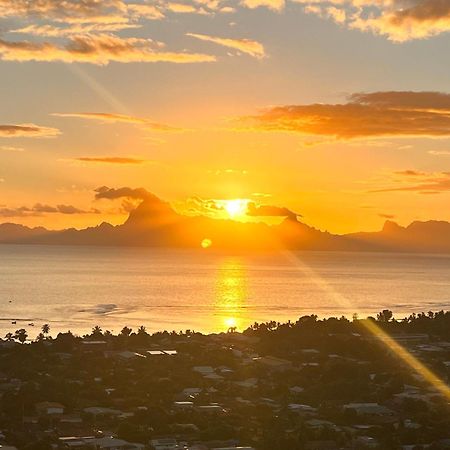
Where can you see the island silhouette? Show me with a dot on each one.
(154, 223)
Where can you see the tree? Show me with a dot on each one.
(384, 316)
(126, 331)
(9, 336)
(142, 330)
(97, 331)
(21, 335)
(45, 329)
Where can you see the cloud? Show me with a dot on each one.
(104, 192)
(111, 160)
(99, 49)
(77, 29)
(386, 216)
(425, 183)
(181, 7)
(376, 114)
(5, 148)
(229, 172)
(200, 206)
(27, 130)
(410, 173)
(269, 211)
(276, 5)
(248, 46)
(146, 11)
(439, 152)
(403, 21)
(39, 209)
(86, 10)
(109, 117)
(399, 20)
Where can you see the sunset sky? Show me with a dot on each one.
(338, 110)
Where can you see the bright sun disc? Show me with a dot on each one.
(230, 322)
(236, 207)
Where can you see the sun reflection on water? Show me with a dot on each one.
(231, 293)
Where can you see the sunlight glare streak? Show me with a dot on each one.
(373, 328)
(99, 89)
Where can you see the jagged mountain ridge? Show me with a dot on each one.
(155, 224)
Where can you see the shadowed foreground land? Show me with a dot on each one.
(312, 384)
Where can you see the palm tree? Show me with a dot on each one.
(21, 335)
(384, 316)
(142, 330)
(126, 331)
(45, 329)
(97, 331)
(40, 337)
(9, 336)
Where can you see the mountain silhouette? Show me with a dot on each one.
(155, 224)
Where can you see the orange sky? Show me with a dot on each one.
(303, 105)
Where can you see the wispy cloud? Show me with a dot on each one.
(5, 148)
(86, 10)
(73, 29)
(99, 49)
(269, 211)
(105, 192)
(40, 209)
(420, 182)
(248, 46)
(110, 160)
(27, 130)
(123, 118)
(439, 152)
(376, 114)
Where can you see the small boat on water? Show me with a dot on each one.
(14, 322)
(31, 324)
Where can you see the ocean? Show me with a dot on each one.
(76, 288)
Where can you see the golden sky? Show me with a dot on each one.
(336, 110)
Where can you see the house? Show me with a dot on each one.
(49, 408)
(124, 355)
(296, 389)
(97, 411)
(362, 409)
(183, 405)
(372, 412)
(210, 409)
(164, 444)
(249, 383)
(321, 445)
(203, 370)
(233, 448)
(274, 363)
(191, 392)
(318, 424)
(302, 409)
(103, 443)
(365, 442)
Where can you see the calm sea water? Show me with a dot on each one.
(78, 287)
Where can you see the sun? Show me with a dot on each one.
(236, 207)
(230, 322)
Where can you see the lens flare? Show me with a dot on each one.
(206, 243)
